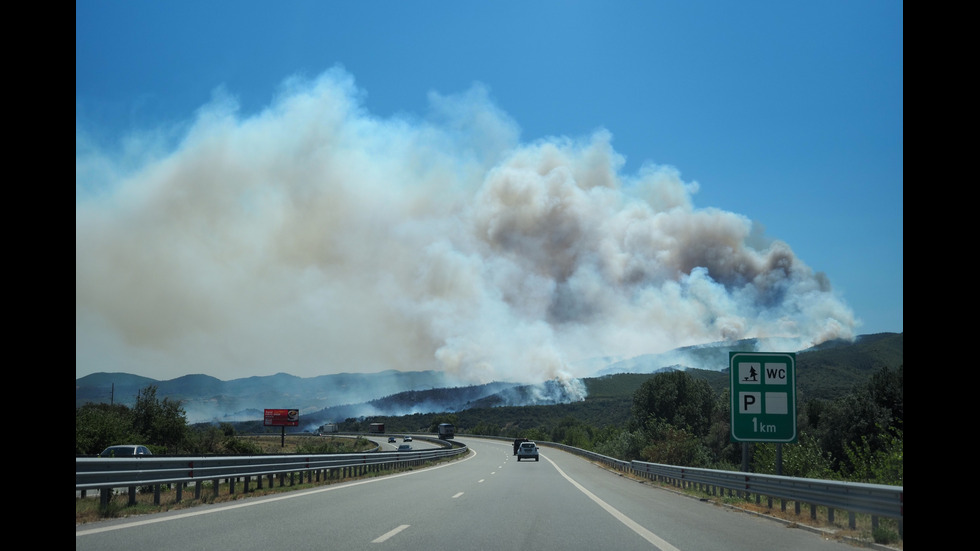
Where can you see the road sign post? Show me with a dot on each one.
(763, 392)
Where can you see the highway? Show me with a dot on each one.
(486, 501)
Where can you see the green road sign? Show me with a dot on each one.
(763, 396)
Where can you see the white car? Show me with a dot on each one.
(126, 450)
(527, 450)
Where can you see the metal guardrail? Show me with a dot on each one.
(105, 475)
(876, 500)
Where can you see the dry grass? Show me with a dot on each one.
(273, 444)
(88, 509)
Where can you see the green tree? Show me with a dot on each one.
(862, 418)
(725, 454)
(572, 432)
(486, 429)
(887, 389)
(676, 446)
(161, 423)
(675, 398)
(98, 426)
(882, 465)
(622, 444)
(205, 439)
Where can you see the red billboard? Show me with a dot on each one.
(281, 417)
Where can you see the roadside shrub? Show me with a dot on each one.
(677, 447)
(884, 535)
(241, 446)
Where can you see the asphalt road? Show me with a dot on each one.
(486, 501)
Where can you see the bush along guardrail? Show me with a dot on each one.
(105, 475)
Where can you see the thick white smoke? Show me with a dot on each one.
(314, 237)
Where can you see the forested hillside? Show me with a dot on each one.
(826, 372)
(850, 410)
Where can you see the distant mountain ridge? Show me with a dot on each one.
(823, 371)
(207, 398)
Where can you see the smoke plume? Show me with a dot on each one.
(313, 237)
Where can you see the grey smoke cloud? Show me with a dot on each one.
(314, 237)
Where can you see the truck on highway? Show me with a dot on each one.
(447, 431)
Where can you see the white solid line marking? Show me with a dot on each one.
(632, 524)
(457, 495)
(389, 534)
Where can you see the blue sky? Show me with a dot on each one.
(785, 115)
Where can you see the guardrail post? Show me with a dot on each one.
(231, 485)
(180, 492)
(247, 479)
(156, 494)
(132, 495)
